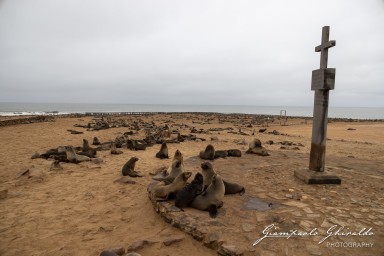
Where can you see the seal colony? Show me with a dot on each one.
(205, 192)
(112, 207)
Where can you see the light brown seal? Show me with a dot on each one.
(177, 169)
(211, 199)
(162, 192)
(73, 157)
(256, 148)
(208, 173)
(114, 150)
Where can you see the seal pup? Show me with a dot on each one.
(162, 192)
(95, 141)
(185, 196)
(75, 158)
(129, 168)
(114, 150)
(208, 153)
(163, 153)
(209, 172)
(211, 199)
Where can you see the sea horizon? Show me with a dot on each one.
(34, 108)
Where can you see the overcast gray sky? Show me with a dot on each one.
(189, 52)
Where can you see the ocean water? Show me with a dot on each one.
(13, 109)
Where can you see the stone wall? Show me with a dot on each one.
(27, 120)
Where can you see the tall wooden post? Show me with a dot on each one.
(323, 80)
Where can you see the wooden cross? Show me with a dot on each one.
(323, 80)
(323, 48)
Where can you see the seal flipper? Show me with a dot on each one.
(242, 192)
(212, 211)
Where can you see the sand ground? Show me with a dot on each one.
(81, 211)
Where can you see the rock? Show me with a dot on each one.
(230, 250)
(248, 227)
(139, 245)
(289, 196)
(23, 173)
(114, 251)
(262, 130)
(213, 239)
(125, 180)
(214, 138)
(105, 229)
(269, 142)
(274, 132)
(108, 253)
(96, 160)
(172, 240)
(132, 254)
(3, 194)
(240, 142)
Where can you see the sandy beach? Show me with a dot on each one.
(81, 210)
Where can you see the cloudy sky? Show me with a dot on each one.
(239, 52)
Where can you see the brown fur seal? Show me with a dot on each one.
(208, 172)
(212, 198)
(75, 158)
(177, 169)
(96, 141)
(208, 153)
(256, 148)
(234, 152)
(162, 191)
(230, 188)
(185, 196)
(163, 153)
(178, 156)
(221, 153)
(233, 188)
(114, 150)
(86, 150)
(129, 168)
(135, 145)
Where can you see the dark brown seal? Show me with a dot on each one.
(129, 168)
(208, 153)
(163, 153)
(185, 196)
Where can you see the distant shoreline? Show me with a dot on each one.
(16, 120)
(26, 109)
